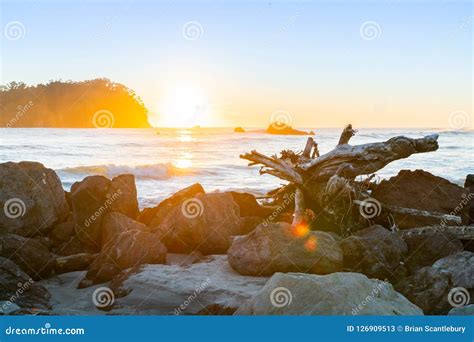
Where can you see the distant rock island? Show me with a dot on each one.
(276, 128)
(97, 103)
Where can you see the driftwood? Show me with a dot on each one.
(326, 183)
(461, 232)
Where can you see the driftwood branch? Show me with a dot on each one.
(448, 219)
(461, 232)
(299, 207)
(346, 135)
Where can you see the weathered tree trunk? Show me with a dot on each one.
(327, 182)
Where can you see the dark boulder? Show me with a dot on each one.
(424, 249)
(32, 199)
(278, 247)
(420, 190)
(376, 252)
(19, 290)
(204, 223)
(72, 263)
(29, 254)
(129, 249)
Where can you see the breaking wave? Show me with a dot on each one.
(150, 171)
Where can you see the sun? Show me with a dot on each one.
(182, 107)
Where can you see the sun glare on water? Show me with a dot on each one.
(184, 106)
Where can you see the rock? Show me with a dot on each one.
(428, 289)
(89, 205)
(283, 129)
(61, 233)
(154, 216)
(29, 254)
(468, 202)
(334, 294)
(31, 198)
(93, 198)
(425, 249)
(249, 223)
(126, 202)
(419, 190)
(204, 223)
(115, 223)
(460, 267)
(467, 310)
(277, 247)
(239, 130)
(19, 290)
(72, 263)
(130, 248)
(249, 206)
(168, 290)
(376, 252)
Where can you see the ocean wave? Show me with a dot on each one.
(149, 171)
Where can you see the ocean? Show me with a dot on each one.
(166, 160)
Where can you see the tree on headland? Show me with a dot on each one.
(86, 104)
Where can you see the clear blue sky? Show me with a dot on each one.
(308, 58)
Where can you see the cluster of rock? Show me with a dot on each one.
(218, 253)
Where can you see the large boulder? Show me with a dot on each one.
(127, 201)
(130, 248)
(32, 199)
(93, 198)
(420, 190)
(115, 223)
(170, 289)
(153, 216)
(204, 223)
(30, 255)
(19, 290)
(467, 310)
(424, 249)
(428, 288)
(334, 294)
(376, 252)
(460, 267)
(248, 205)
(90, 203)
(278, 247)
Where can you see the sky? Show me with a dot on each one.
(392, 63)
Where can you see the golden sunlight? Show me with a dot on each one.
(184, 106)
